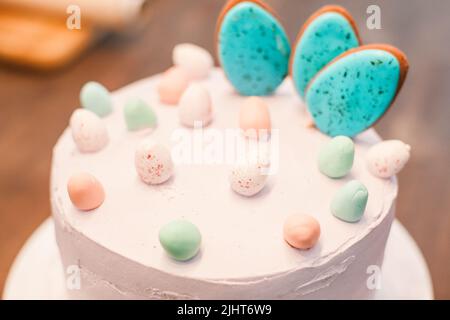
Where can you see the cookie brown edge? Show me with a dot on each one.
(397, 53)
(325, 9)
(228, 6)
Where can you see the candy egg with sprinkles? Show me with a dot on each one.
(253, 48)
(88, 131)
(153, 162)
(248, 179)
(387, 158)
(354, 90)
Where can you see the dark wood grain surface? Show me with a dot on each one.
(35, 108)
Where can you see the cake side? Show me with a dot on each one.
(243, 253)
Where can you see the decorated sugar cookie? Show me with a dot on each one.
(354, 90)
(329, 32)
(252, 46)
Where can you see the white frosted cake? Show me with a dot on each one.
(243, 254)
(239, 182)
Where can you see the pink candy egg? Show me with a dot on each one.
(172, 85)
(88, 131)
(195, 106)
(85, 191)
(247, 179)
(254, 117)
(153, 162)
(301, 231)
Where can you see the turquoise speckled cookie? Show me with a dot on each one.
(329, 32)
(353, 91)
(252, 46)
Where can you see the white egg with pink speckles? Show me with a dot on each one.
(153, 162)
(88, 131)
(248, 179)
(387, 158)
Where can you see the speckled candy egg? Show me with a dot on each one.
(195, 106)
(172, 84)
(387, 158)
(96, 98)
(153, 162)
(85, 191)
(248, 179)
(253, 47)
(180, 239)
(88, 131)
(254, 117)
(196, 61)
(301, 231)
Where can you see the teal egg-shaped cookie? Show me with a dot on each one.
(180, 239)
(329, 32)
(335, 158)
(353, 91)
(252, 46)
(96, 98)
(138, 115)
(349, 202)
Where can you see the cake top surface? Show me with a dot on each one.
(241, 236)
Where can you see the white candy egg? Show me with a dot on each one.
(248, 179)
(196, 61)
(387, 158)
(153, 162)
(88, 131)
(195, 106)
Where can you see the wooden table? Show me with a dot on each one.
(35, 108)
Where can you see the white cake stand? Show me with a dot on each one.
(37, 272)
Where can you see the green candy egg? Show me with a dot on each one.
(139, 115)
(181, 239)
(350, 201)
(96, 98)
(336, 157)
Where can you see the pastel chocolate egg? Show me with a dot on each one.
(301, 231)
(88, 131)
(196, 61)
(85, 191)
(349, 202)
(329, 32)
(153, 162)
(96, 98)
(138, 115)
(248, 179)
(354, 90)
(253, 48)
(387, 158)
(336, 157)
(195, 106)
(172, 85)
(180, 239)
(254, 117)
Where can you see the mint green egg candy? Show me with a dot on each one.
(180, 239)
(96, 98)
(336, 157)
(349, 203)
(138, 115)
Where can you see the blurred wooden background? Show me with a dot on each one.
(35, 108)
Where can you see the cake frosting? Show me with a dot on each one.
(243, 254)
